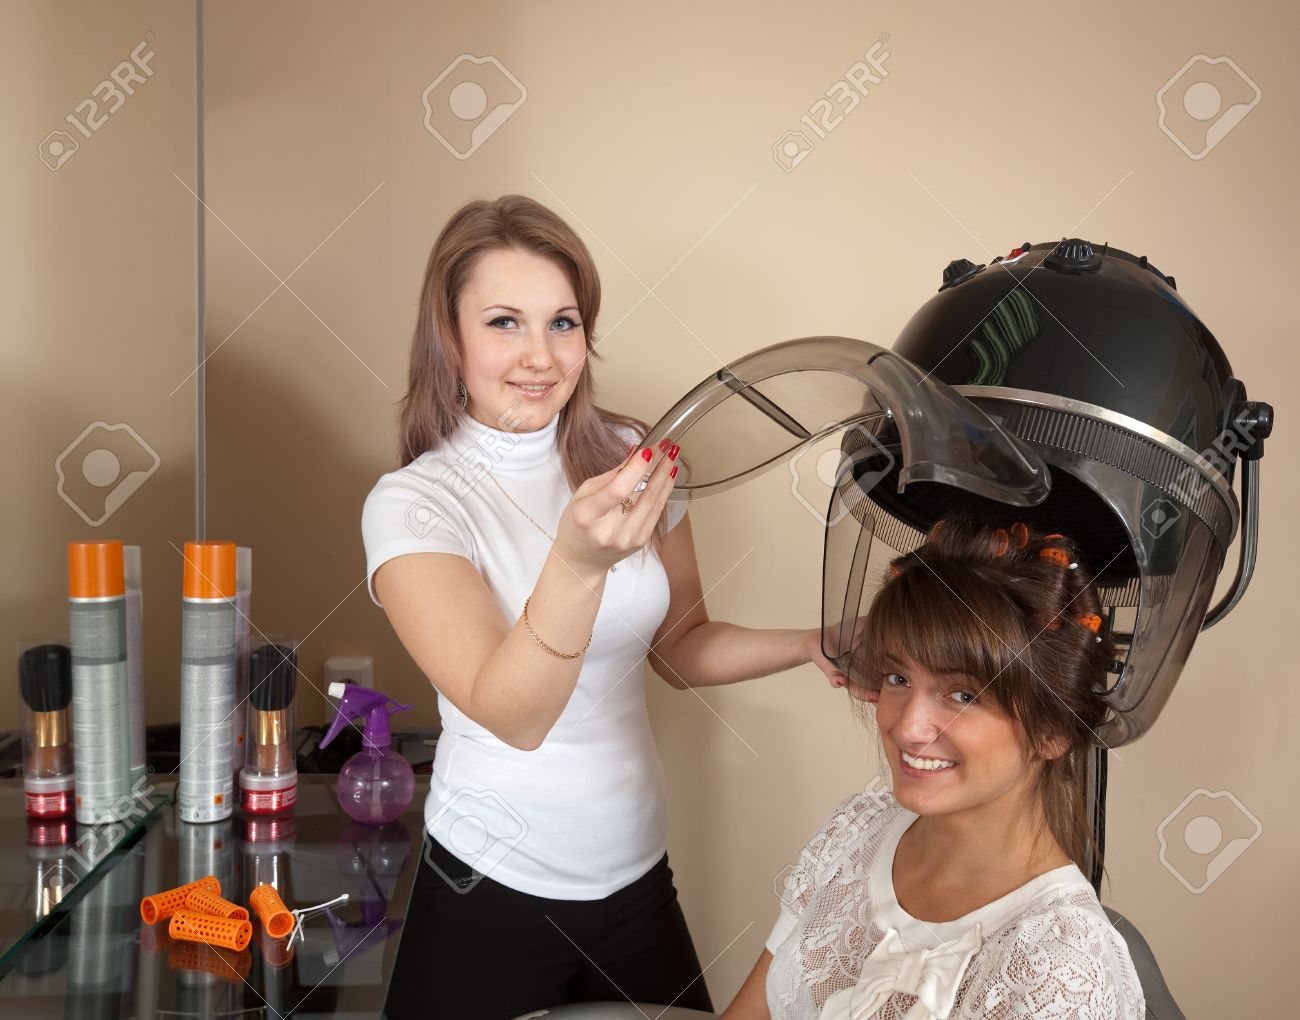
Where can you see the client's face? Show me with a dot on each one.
(523, 340)
(950, 748)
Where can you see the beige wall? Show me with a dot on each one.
(97, 314)
(653, 134)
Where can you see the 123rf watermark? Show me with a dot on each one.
(93, 112)
(1205, 99)
(828, 113)
(100, 469)
(1202, 837)
(1191, 485)
(468, 101)
(461, 478)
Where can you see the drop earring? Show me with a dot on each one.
(462, 395)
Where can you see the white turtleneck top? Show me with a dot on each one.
(583, 815)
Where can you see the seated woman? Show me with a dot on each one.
(960, 892)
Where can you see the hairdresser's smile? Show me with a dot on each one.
(533, 390)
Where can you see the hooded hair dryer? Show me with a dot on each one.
(1067, 384)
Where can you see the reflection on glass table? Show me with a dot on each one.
(102, 960)
(47, 866)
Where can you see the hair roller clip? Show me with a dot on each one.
(1057, 555)
(1090, 620)
(1001, 542)
(1019, 534)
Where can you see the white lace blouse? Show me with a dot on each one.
(843, 948)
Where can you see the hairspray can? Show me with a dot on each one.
(206, 789)
(243, 628)
(133, 577)
(45, 689)
(269, 781)
(100, 711)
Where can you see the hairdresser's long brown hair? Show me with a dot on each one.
(429, 413)
(957, 604)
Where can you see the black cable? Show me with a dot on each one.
(1101, 763)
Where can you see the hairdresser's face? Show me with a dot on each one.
(519, 323)
(945, 718)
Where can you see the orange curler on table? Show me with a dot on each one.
(271, 911)
(200, 901)
(161, 906)
(226, 932)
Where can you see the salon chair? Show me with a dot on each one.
(1160, 1003)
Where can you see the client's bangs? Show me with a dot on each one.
(944, 619)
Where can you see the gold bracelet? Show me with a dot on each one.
(558, 655)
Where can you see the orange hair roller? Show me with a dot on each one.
(225, 932)
(895, 570)
(200, 901)
(1001, 542)
(1020, 534)
(1056, 554)
(1091, 620)
(161, 906)
(271, 911)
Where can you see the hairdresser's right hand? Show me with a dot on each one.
(594, 532)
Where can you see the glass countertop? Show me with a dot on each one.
(45, 865)
(99, 959)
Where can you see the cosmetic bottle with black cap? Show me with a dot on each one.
(45, 689)
(268, 783)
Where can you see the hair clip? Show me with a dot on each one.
(302, 913)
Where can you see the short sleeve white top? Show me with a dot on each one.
(844, 949)
(583, 815)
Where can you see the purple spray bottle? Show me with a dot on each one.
(376, 784)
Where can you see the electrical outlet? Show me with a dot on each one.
(359, 669)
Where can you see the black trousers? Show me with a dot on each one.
(488, 952)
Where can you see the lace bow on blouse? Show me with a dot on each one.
(932, 975)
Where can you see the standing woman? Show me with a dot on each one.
(530, 563)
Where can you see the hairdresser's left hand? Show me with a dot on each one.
(812, 648)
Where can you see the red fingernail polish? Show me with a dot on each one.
(646, 454)
(663, 445)
(672, 454)
(673, 472)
